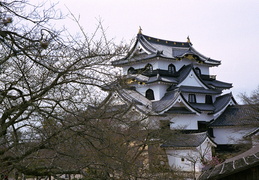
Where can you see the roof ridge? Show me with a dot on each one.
(166, 41)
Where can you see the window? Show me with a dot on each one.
(131, 70)
(198, 71)
(208, 99)
(164, 124)
(150, 94)
(171, 69)
(182, 159)
(202, 125)
(192, 98)
(149, 68)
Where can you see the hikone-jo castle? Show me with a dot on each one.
(170, 82)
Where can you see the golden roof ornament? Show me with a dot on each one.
(140, 30)
(188, 39)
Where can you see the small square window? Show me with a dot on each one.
(164, 124)
(208, 99)
(192, 98)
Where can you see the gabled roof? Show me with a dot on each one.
(154, 47)
(186, 140)
(185, 73)
(155, 44)
(166, 104)
(239, 115)
(139, 101)
(197, 56)
(233, 165)
(222, 101)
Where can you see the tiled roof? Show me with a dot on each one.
(163, 48)
(165, 102)
(203, 107)
(174, 79)
(198, 90)
(213, 86)
(218, 105)
(162, 79)
(218, 84)
(140, 57)
(198, 56)
(179, 110)
(184, 71)
(157, 41)
(137, 99)
(238, 115)
(222, 101)
(172, 49)
(186, 140)
(233, 165)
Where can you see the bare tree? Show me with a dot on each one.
(51, 118)
(44, 80)
(250, 114)
(253, 102)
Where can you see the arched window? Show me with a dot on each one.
(171, 69)
(149, 68)
(198, 71)
(150, 94)
(131, 70)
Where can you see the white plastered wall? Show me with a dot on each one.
(200, 98)
(153, 62)
(188, 121)
(184, 159)
(159, 90)
(161, 63)
(192, 80)
(180, 160)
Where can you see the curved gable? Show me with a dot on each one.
(192, 79)
(222, 103)
(173, 100)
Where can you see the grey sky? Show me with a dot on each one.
(226, 30)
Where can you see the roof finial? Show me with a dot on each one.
(140, 30)
(188, 39)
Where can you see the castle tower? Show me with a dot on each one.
(175, 81)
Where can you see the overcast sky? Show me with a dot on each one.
(226, 30)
